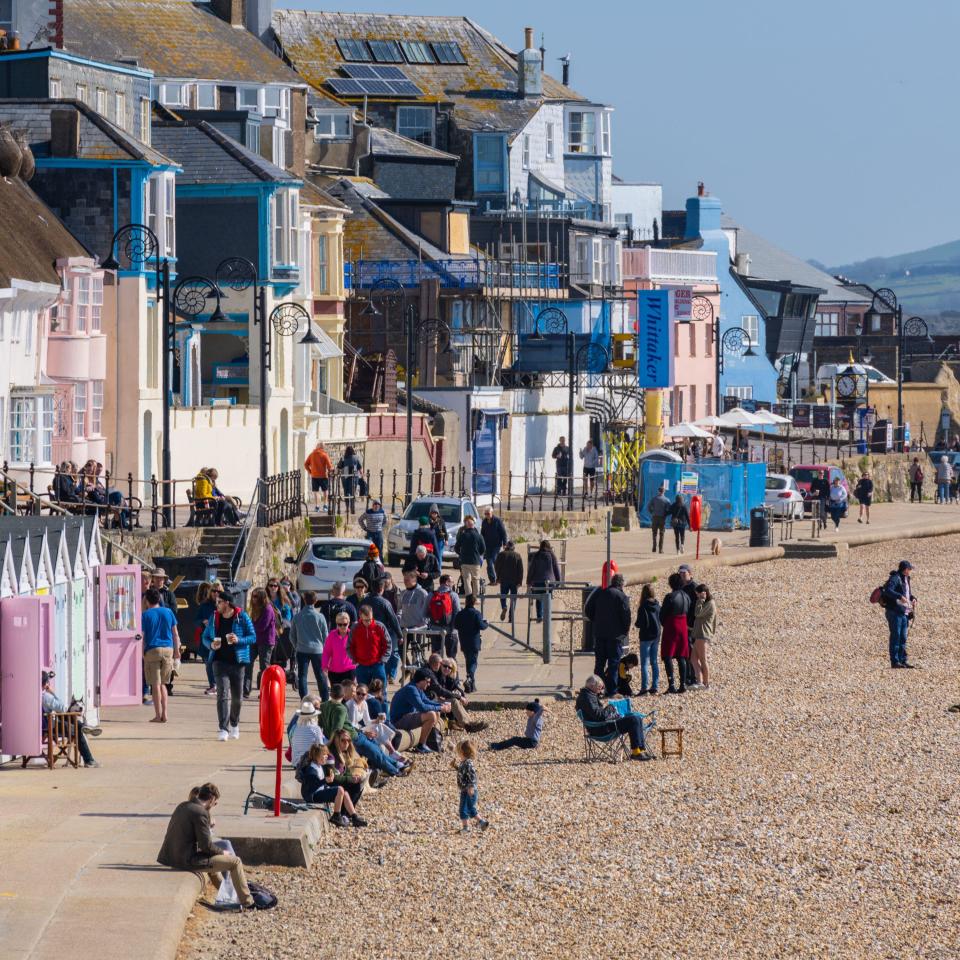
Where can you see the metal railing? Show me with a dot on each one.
(458, 274)
(279, 498)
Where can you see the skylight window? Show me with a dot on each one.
(385, 51)
(448, 53)
(417, 52)
(355, 50)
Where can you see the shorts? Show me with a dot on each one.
(589, 471)
(158, 665)
(409, 721)
(319, 483)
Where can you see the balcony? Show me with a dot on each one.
(453, 274)
(669, 266)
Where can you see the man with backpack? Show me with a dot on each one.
(470, 550)
(899, 604)
(442, 607)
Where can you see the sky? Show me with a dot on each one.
(828, 126)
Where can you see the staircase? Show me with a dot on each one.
(321, 525)
(221, 542)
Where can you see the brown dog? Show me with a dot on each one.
(716, 546)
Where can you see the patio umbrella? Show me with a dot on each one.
(710, 421)
(738, 417)
(765, 416)
(686, 431)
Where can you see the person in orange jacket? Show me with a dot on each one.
(318, 464)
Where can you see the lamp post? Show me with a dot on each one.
(736, 342)
(594, 353)
(702, 309)
(554, 322)
(139, 245)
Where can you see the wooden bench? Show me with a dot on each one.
(61, 740)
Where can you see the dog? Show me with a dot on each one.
(716, 546)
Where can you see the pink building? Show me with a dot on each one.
(695, 366)
(76, 357)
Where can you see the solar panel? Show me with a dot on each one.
(390, 73)
(448, 52)
(355, 86)
(354, 50)
(405, 88)
(346, 88)
(385, 51)
(359, 71)
(377, 87)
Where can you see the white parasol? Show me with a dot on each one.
(765, 416)
(738, 417)
(710, 421)
(686, 431)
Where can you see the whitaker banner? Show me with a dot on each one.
(654, 339)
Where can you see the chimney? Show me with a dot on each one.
(543, 53)
(742, 264)
(64, 132)
(530, 68)
(701, 189)
(258, 16)
(230, 11)
(565, 60)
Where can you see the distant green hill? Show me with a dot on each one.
(926, 281)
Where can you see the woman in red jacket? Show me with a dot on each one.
(369, 647)
(675, 641)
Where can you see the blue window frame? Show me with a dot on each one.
(489, 163)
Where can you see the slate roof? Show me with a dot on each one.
(99, 138)
(483, 91)
(208, 155)
(386, 143)
(313, 196)
(173, 38)
(769, 262)
(32, 239)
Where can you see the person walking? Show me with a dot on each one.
(863, 491)
(369, 647)
(590, 456)
(542, 568)
(915, 475)
(263, 616)
(608, 610)
(335, 661)
(466, 768)
(372, 521)
(469, 624)
(509, 571)
(439, 529)
(648, 623)
(820, 492)
(659, 509)
(704, 629)
(308, 633)
(228, 638)
(679, 520)
(318, 465)
(161, 646)
(900, 606)
(838, 502)
(495, 538)
(351, 474)
(470, 549)
(675, 641)
(944, 476)
(564, 466)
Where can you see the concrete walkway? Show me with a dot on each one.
(78, 875)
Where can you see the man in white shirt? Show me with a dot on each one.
(717, 446)
(590, 456)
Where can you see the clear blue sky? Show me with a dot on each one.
(828, 126)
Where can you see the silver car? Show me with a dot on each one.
(452, 511)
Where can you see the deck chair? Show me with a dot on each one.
(599, 743)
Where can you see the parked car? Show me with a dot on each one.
(325, 560)
(452, 510)
(804, 474)
(784, 496)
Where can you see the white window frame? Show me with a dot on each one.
(243, 91)
(56, 88)
(605, 138)
(828, 323)
(46, 428)
(81, 311)
(525, 155)
(751, 323)
(146, 115)
(323, 265)
(23, 424)
(416, 131)
(327, 122)
(96, 408)
(211, 90)
(82, 96)
(585, 141)
(120, 109)
(160, 204)
(279, 145)
(286, 233)
(740, 392)
(80, 410)
(96, 304)
(102, 102)
(170, 214)
(174, 94)
(550, 134)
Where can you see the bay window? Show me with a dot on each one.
(286, 235)
(96, 303)
(159, 201)
(79, 410)
(582, 132)
(323, 266)
(605, 133)
(46, 428)
(31, 429)
(96, 408)
(82, 309)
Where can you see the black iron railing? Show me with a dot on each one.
(281, 498)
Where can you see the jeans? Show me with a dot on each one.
(823, 511)
(632, 726)
(347, 484)
(508, 590)
(229, 678)
(305, 660)
(525, 743)
(471, 655)
(657, 525)
(679, 532)
(490, 559)
(376, 538)
(606, 659)
(899, 626)
(538, 603)
(264, 655)
(836, 513)
(366, 674)
(648, 657)
(468, 805)
(371, 752)
(916, 490)
(943, 492)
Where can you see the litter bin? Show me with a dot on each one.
(586, 641)
(202, 567)
(759, 527)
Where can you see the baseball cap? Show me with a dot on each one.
(684, 568)
(904, 565)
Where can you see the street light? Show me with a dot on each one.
(551, 319)
(139, 245)
(736, 342)
(424, 328)
(701, 308)
(594, 353)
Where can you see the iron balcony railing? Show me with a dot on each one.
(455, 274)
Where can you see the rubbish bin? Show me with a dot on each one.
(759, 527)
(186, 593)
(201, 567)
(586, 641)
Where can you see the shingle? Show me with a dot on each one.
(173, 38)
(32, 239)
(483, 90)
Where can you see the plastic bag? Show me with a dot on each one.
(227, 894)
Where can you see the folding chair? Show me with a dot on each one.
(601, 743)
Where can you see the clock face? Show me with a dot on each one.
(846, 386)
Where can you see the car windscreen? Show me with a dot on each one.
(340, 552)
(804, 474)
(777, 483)
(449, 512)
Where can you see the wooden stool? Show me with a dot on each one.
(676, 748)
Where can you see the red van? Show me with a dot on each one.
(805, 472)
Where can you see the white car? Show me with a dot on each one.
(784, 496)
(325, 560)
(452, 510)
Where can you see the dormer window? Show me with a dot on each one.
(175, 94)
(582, 132)
(332, 124)
(206, 96)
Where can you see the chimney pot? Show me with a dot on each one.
(528, 37)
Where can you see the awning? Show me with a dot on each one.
(326, 349)
(480, 414)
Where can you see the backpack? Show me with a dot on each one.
(440, 608)
(263, 898)
(435, 740)
(877, 596)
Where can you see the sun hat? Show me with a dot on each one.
(307, 709)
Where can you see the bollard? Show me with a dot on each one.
(547, 624)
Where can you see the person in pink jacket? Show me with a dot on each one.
(335, 662)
